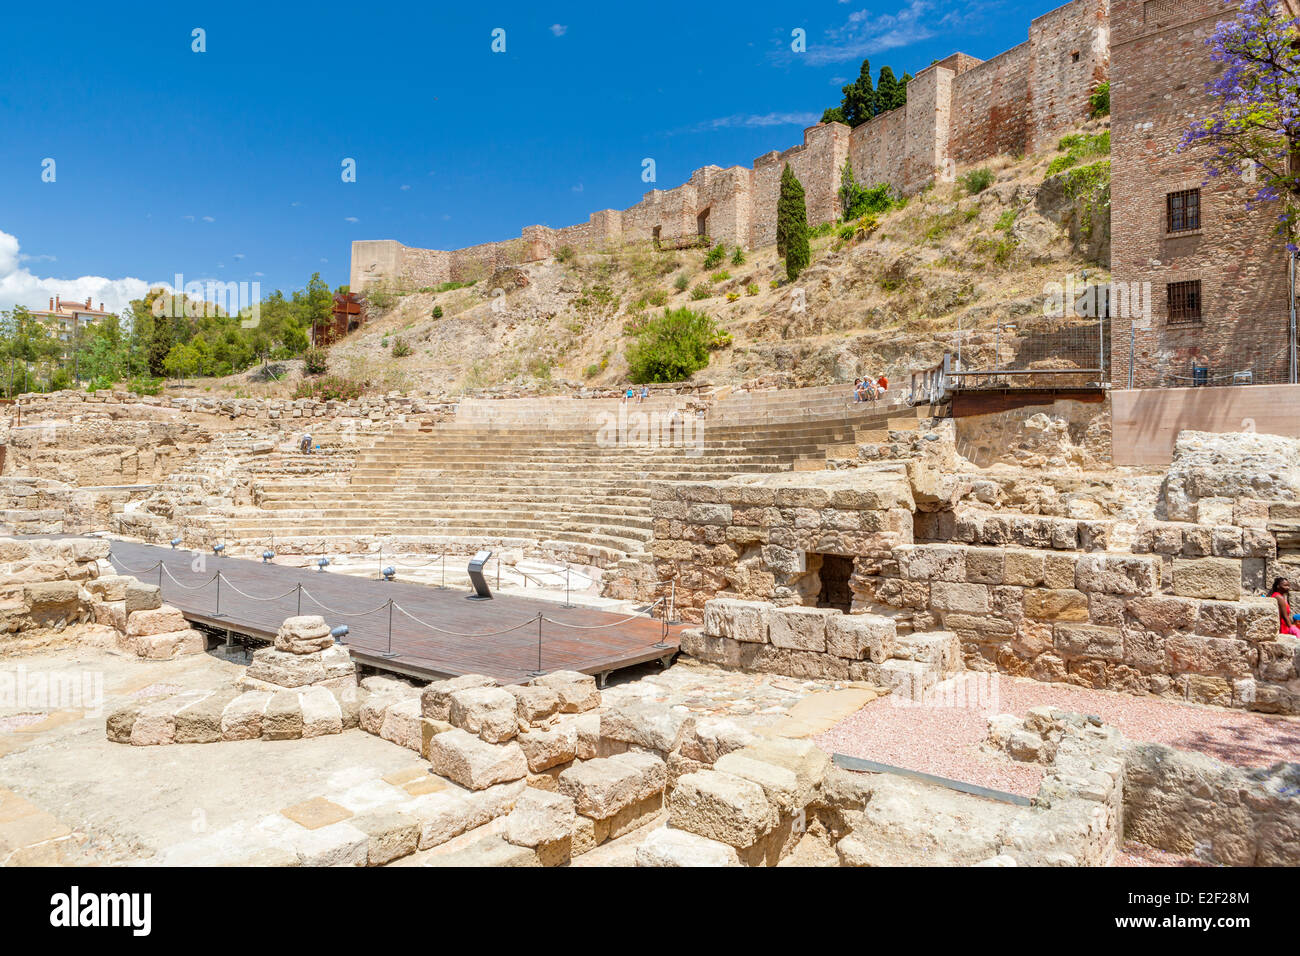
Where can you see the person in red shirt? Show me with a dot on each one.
(1288, 621)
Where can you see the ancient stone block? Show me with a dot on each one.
(577, 691)
(539, 817)
(550, 746)
(435, 699)
(647, 724)
(670, 847)
(860, 636)
(473, 763)
(1089, 640)
(964, 598)
(489, 712)
(745, 621)
(1056, 605)
(721, 807)
(798, 628)
(1117, 574)
(1216, 578)
(932, 562)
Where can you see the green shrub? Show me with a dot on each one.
(681, 282)
(658, 297)
(635, 323)
(330, 388)
(401, 348)
(1006, 221)
(315, 361)
(1076, 148)
(738, 257)
(437, 312)
(701, 291)
(722, 276)
(455, 284)
(977, 180)
(145, 385)
(564, 254)
(752, 289)
(672, 347)
(715, 256)
(1100, 101)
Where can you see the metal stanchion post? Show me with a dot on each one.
(567, 602)
(442, 584)
(539, 672)
(299, 589)
(663, 626)
(217, 612)
(389, 652)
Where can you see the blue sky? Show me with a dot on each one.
(226, 164)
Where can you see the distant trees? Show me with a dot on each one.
(863, 99)
(792, 225)
(153, 339)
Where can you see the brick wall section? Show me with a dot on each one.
(988, 108)
(959, 110)
(1160, 64)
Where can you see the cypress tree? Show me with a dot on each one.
(889, 92)
(792, 225)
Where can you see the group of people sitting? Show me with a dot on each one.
(869, 389)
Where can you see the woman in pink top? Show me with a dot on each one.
(1288, 621)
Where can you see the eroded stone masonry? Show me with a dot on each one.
(959, 111)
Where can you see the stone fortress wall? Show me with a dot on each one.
(959, 110)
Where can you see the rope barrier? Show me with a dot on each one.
(433, 627)
(186, 587)
(253, 597)
(112, 557)
(344, 613)
(597, 627)
(399, 564)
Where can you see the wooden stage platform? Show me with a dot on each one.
(388, 621)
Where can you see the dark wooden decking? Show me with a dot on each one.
(609, 644)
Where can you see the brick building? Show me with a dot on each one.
(959, 111)
(1220, 310)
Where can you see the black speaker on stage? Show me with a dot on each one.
(481, 590)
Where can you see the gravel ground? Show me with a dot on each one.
(1141, 855)
(946, 740)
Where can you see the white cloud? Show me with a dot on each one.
(19, 286)
(351, 219)
(754, 121)
(864, 34)
(559, 29)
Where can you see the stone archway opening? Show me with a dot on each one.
(833, 572)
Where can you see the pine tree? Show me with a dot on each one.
(859, 98)
(792, 225)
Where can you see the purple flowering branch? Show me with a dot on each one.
(1253, 129)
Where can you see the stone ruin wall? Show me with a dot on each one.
(959, 110)
(1168, 612)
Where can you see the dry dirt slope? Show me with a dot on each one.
(891, 297)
